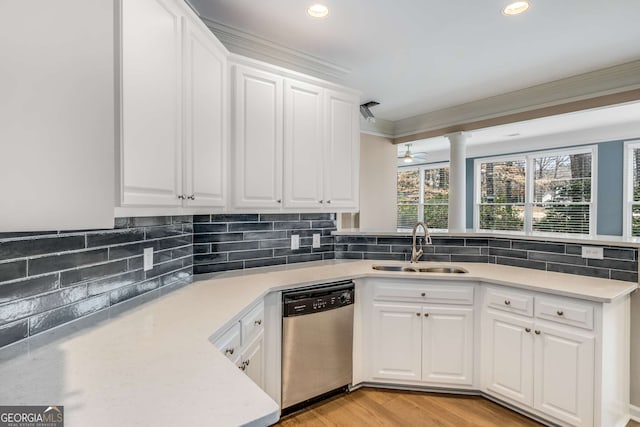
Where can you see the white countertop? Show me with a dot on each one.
(154, 364)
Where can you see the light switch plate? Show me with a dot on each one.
(295, 242)
(592, 252)
(316, 240)
(148, 259)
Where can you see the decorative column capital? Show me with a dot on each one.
(458, 136)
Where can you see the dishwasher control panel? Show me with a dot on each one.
(315, 300)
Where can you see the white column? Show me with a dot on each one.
(457, 181)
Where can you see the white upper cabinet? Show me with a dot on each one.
(342, 151)
(174, 108)
(295, 142)
(206, 117)
(151, 109)
(303, 145)
(257, 139)
(58, 124)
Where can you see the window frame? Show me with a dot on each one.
(627, 186)
(421, 169)
(529, 202)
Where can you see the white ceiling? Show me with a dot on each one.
(420, 56)
(545, 132)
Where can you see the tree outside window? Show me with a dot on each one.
(423, 195)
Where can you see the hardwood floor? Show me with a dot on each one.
(379, 407)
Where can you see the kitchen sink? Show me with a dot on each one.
(411, 269)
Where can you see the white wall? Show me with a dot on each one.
(377, 183)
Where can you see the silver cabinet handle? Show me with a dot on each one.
(507, 302)
(229, 351)
(182, 197)
(426, 315)
(537, 332)
(258, 322)
(527, 330)
(560, 312)
(191, 197)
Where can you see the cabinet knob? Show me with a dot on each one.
(537, 332)
(507, 302)
(328, 201)
(424, 294)
(527, 330)
(229, 351)
(560, 312)
(242, 367)
(258, 322)
(246, 362)
(191, 197)
(182, 197)
(279, 201)
(320, 201)
(426, 315)
(418, 314)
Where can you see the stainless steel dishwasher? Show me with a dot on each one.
(317, 343)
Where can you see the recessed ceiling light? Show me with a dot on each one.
(318, 11)
(515, 8)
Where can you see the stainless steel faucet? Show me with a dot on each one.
(417, 253)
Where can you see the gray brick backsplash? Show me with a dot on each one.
(238, 241)
(619, 263)
(51, 278)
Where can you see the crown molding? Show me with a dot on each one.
(381, 127)
(604, 83)
(253, 46)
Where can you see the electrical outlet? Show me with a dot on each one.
(295, 242)
(592, 252)
(148, 259)
(316, 240)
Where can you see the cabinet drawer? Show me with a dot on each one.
(252, 323)
(416, 292)
(513, 302)
(229, 342)
(574, 313)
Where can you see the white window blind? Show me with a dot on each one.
(562, 193)
(632, 212)
(436, 198)
(408, 197)
(502, 195)
(545, 192)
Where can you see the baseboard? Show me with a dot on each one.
(634, 411)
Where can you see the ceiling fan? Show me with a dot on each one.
(409, 157)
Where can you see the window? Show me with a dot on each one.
(632, 189)
(545, 192)
(423, 194)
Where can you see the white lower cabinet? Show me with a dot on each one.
(243, 343)
(562, 359)
(252, 360)
(539, 365)
(447, 345)
(396, 351)
(430, 344)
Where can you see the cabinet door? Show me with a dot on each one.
(447, 345)
(257, 139)
(396, 351)
(205, 126)
(303, 139)
(342, 151)
(151, 159)
(507, 363)
(253, 358)
(564, 375)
